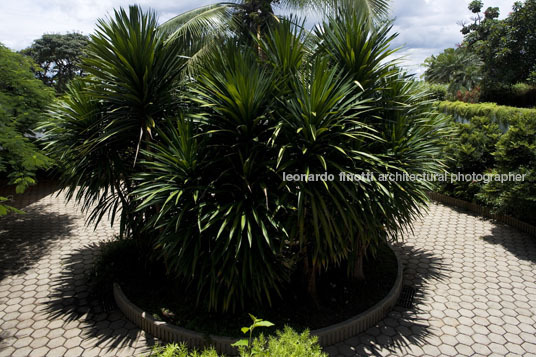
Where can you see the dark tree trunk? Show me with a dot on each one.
(310, 273)
(357, 271)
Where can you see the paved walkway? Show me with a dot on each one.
(475, 283)
(45, 256)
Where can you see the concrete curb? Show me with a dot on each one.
(326, 336)
(344, 330)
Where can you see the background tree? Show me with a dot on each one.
(497, 57)
(23, 100)
(506, 47)
(458, 68)
(59, 57)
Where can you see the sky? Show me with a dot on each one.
(425, 27)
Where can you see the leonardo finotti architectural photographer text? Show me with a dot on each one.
(401, 177)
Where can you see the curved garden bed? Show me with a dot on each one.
(327, 336)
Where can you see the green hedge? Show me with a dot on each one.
(515, 153)
(500, 114)
(470, 150)
(478, 146)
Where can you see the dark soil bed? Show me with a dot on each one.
(171, 301)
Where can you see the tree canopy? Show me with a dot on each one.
(459, 68)
(59, 57)
(495, 54)
(23, 99)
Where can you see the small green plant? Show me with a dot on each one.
(247, 343)
(287, 343)
(180, 350)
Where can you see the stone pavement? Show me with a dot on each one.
(45, 256)
(475, 287)
(476, 292)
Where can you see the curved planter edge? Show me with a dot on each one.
(326, 336)
(344, 330)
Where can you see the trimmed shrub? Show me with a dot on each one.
(497, 113)
(479, 147)
(437, 91)
(516, 154)
(470, 150)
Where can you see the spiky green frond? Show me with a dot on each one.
(373, 8)
(199, 23)
(105, 118)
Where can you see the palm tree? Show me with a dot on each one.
(459, 68)
(203, 25)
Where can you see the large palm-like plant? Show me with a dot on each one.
(105, 118)
(214, 182)
(393, 131)
(209, 185)
(332, 105)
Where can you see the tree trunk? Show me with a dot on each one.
(357, 269)
(259, 49)
(358, 273)
(310, 272)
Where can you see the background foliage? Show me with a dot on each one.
(59, 58)
(23, 100)
(499, 114)
(495, 140)
(498, 56)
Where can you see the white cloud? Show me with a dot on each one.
(26, 20)
(426, 27)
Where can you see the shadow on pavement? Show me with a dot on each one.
(519, 244)
(403, 328)
(26, 238)
(71, 299)
(31, 195)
